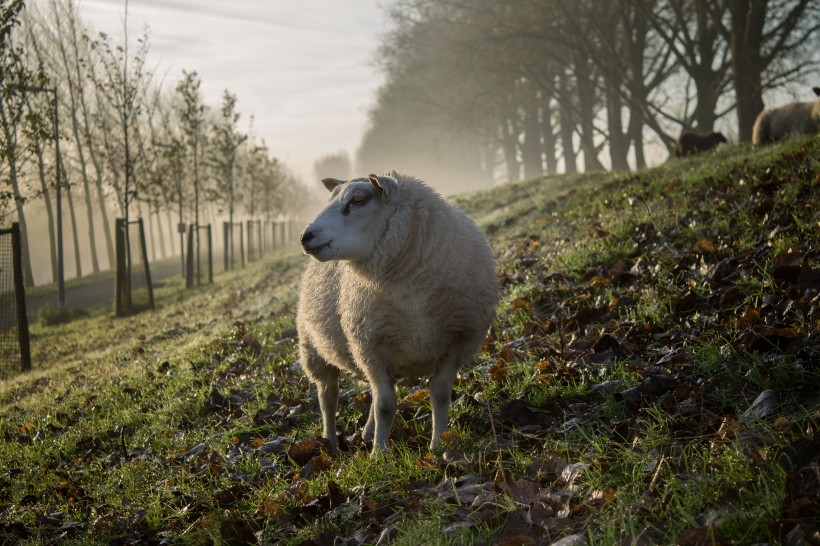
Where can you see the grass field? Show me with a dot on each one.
(651, 378)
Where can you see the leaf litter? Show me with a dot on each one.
(602, 383)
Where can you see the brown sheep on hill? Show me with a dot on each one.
(690, 143)
(787, 121)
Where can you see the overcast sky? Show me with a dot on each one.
(303, 69)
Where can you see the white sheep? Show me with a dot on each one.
(401, 283)
(787, 121)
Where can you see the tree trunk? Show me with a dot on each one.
(636, 136)
(638, 26)
(21, 219)
(532, 147)
(10, 155)
(708, 80)
(150, 237)
(567, 125)
(99, 169)
(160, 234)
(75, 81)
(586, 81)
(548, 136)
(78, 259)
(748, 18)
(708, 95)
(508, 146)
(171, 232)
(618, 142)
(38, 151)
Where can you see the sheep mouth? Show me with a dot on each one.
(314, 250)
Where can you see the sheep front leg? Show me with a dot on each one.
(383, 409)
(441, 390)
(326, 379)
(328, 390)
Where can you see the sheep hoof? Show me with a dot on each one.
(331, 447)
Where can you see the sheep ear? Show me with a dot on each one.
(331, 183)
(386, 184)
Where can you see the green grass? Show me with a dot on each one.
(641, 315)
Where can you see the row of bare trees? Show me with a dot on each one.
(130, 144)
(539, 86)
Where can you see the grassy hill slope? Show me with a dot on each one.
(651, 378)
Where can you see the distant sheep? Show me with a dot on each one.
(787, 121)
(402, 284)
(689, 143)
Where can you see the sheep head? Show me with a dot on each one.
(347, 229)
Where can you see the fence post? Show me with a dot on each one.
(20, 295)
(263, 233)
(189, 269)
(259, 245)
(210, 257)
(228, 246)
(249, 230)
(241, 246)
(120, 283)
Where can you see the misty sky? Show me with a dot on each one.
(304, 70)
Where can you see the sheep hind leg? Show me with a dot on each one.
(441, 390)
(370, 426)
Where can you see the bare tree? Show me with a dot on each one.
(772, 42)
(36, 42)
(223, 153)
(191, 114)
(119, 81)
(15, 78)
(691, 30)
(169, 140)
(425, 117)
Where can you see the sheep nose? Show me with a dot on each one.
(307, 235)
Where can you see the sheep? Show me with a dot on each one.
(402, 283)
(787, 121)
(689, 143)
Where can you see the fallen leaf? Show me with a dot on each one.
(764, 405)
(302, 452)
(704, 246)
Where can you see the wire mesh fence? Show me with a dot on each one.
(15, 355)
